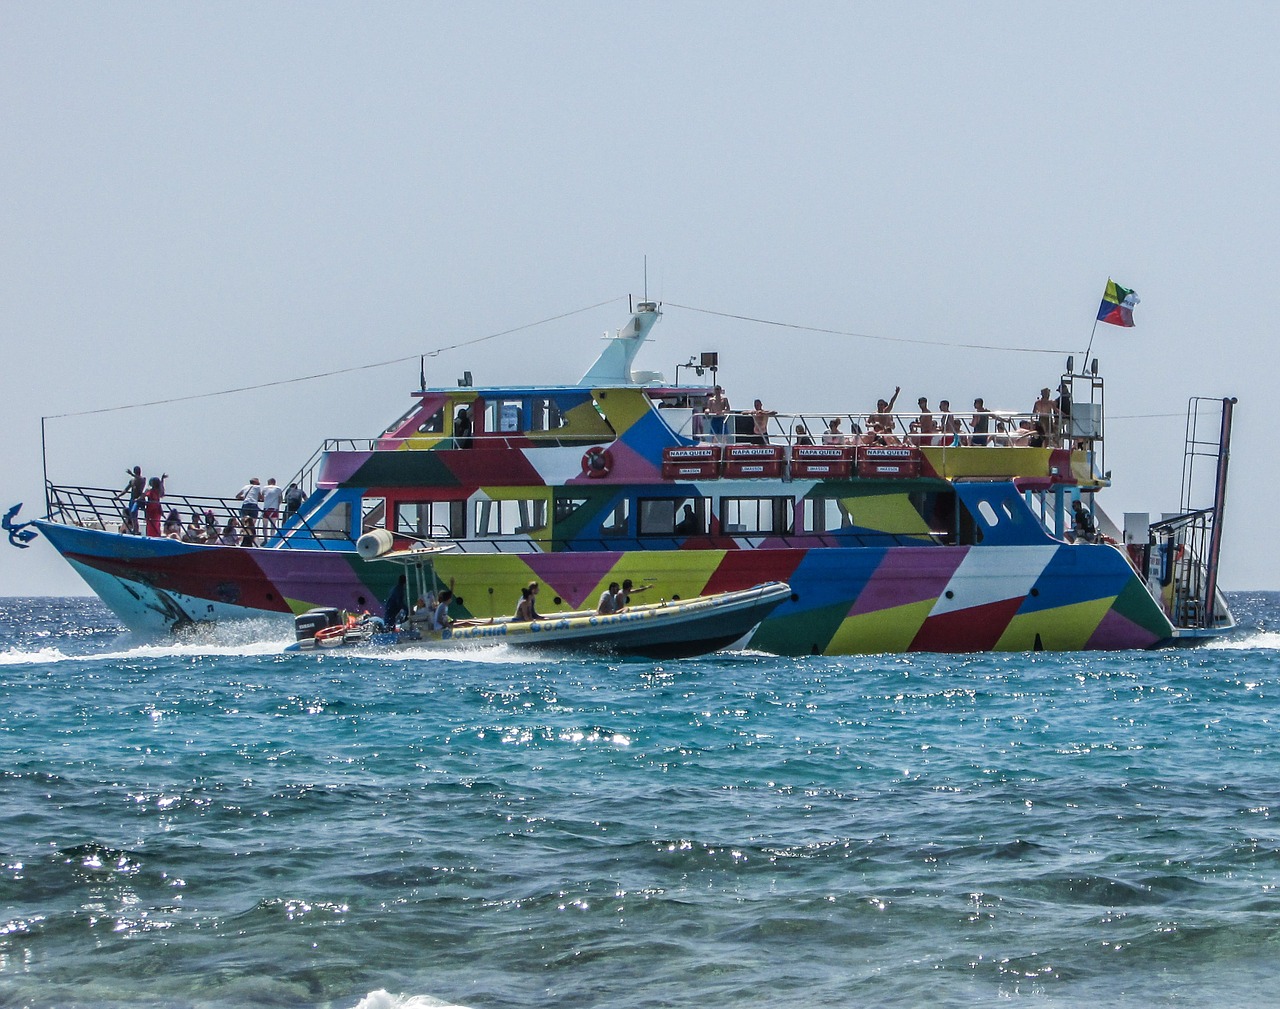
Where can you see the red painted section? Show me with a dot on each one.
(741, 569)
(227, 575)
(477, 468)
(974, 629)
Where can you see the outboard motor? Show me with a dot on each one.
(306, 625)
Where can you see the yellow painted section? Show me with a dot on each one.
(581, 421)
(623, 407)
(683, 573)
(1062, 628)
(453, 403)
(887, 513)
(1002, 461)
(989, 461)
(421, 442)
(297, 605)
(887, 630)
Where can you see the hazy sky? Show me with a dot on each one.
(200, 197)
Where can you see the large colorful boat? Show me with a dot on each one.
(896, 533)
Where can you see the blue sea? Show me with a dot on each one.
(212, 823)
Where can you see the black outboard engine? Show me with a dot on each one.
(307, 625)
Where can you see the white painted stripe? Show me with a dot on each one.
(991, 574)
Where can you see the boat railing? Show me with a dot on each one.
(520, 545)
(1006, 428)
(103, 509)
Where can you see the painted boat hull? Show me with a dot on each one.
(1051, 596)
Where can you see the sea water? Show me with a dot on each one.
(214, 823)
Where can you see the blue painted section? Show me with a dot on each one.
(648, 436)
(1002, 515)
(823, 570)
(1078, 574)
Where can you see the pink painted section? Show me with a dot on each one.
(431, 402)
(629, 466)
(908, 575)
(319, 577)
(572, 576)
(339, 466)
(1117, 631)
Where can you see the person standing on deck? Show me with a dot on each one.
(250, 496)
(271, 498)
(155, 513)
(717, 411)
(760, 423)
(134, 490)
(981, 422)
(292, 501)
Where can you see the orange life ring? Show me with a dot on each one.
(330, 635)
(597, 461)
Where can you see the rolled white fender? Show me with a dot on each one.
(374, 544)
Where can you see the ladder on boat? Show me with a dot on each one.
(1191, 541)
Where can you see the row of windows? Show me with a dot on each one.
(921, 514)
(505, 416)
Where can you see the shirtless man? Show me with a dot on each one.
(928, 428)
(1045, 415)
(134, 491)
(947, 424)
(760, 423)
(881, 422)
(717, 411)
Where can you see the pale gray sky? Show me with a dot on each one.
(202, 196)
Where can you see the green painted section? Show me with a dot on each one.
(1136, 604)
(805, 633)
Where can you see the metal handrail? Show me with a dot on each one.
(103, 509)
(1007, 429)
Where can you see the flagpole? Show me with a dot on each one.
(1085, 367)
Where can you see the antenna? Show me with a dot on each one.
(646, 277)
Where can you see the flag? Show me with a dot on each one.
(1117, 305)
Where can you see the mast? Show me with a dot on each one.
(1219, 500)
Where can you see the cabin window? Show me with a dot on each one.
(755, 516)
(673, 516)
(617, 520)
(566, 506)
(335, 524)
(824, 515)
(922, 514)
(432, 519)
(433, 424)
(510, 518)
(373, 514)
(505, 416)
(545, 415)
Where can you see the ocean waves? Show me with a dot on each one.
(230, 826)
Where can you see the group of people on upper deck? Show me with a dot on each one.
(1045, 425)
(143, 502)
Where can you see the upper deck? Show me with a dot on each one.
(516, 436)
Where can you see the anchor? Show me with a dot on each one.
(19, 535)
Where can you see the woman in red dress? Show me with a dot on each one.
(151, 499)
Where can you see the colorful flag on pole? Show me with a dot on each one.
(1117, 305)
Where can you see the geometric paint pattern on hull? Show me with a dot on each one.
(845, 600)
